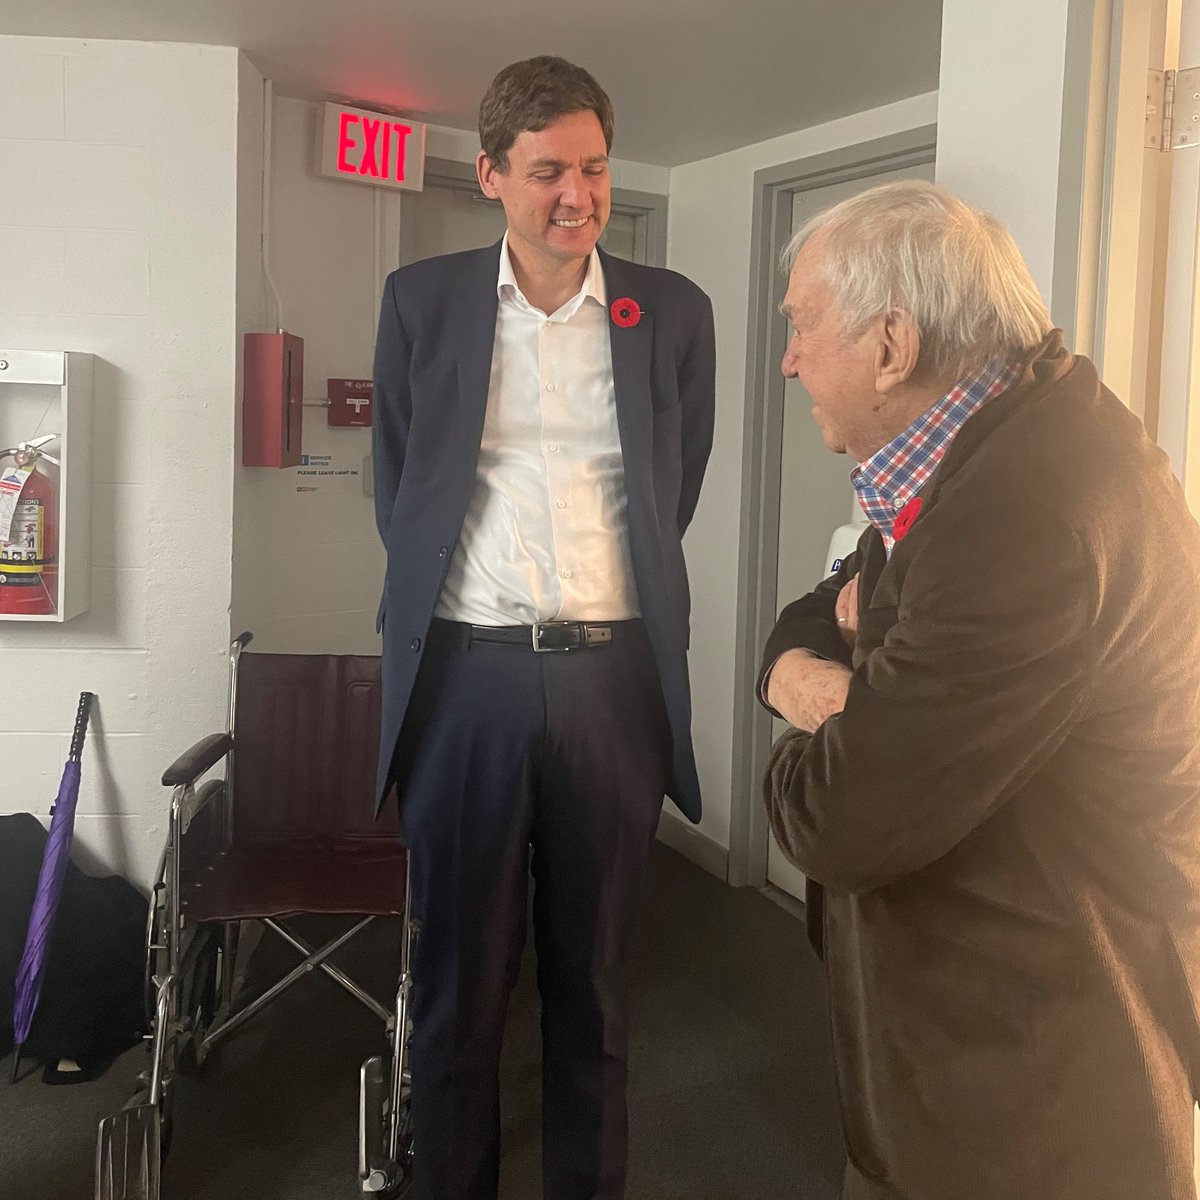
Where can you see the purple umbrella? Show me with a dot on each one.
(49, 887)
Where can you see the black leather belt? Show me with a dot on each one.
(546, 637)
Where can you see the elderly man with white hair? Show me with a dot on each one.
(993, 780)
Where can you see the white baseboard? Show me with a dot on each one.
(681, 835)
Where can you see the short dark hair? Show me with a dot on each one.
(532, 93)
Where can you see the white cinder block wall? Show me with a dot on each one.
(710, 232)
(1005, 155)
(308, 563)
(118, 237)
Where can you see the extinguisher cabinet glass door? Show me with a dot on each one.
(45, 484)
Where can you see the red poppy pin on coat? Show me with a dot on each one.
(625, 312)
(906, 518)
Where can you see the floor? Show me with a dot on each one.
(731, 1081)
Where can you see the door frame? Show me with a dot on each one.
(758, 556)
(1179, 409)
(650, 209)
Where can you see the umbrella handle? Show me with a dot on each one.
(81, 724)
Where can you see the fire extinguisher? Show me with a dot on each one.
(29, 530)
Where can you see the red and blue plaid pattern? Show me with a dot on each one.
(891, 477)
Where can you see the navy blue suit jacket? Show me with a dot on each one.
(433, 362)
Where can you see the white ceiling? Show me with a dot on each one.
(688, 78)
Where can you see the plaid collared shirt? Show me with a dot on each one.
(891, 477)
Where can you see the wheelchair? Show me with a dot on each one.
(286, 831)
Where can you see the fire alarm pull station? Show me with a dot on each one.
(273, 403)
(350, 402)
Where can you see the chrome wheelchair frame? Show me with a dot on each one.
(192, 992)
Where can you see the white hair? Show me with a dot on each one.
(914, 247)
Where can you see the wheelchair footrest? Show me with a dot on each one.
(375, 1173)
(129, 1154)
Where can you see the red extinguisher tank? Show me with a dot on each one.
(29, 556)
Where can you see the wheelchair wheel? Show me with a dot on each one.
(198, 1000)
(404, 1157)
(197, 994)
(157, 954)
(167, 1127)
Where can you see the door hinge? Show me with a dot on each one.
(1173, 109)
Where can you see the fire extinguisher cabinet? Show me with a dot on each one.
(50, 392)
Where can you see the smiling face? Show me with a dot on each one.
(556, 192)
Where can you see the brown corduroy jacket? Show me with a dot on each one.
(1005, 818)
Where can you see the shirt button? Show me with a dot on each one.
(550, 387)
(897, 504)
(416, 644)
(443, 551)
(553, 447)
(566, 573)
(561, 504)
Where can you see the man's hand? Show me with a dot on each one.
(846, 611)
(805, 690)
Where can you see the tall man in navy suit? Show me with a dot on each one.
(544, 414)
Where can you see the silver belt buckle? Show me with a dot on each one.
(538, 626)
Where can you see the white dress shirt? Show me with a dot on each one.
(546, 532)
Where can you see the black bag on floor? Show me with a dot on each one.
(91, 1006)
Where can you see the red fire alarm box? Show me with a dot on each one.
(350, 402)
(273, 401)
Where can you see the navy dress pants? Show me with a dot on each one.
(511, 764)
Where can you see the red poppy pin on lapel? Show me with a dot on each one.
(906, 518)
(625, 312)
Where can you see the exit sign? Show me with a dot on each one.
(371, 147)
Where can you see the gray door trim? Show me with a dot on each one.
(1073, 304)
(650, 206)
(758, 564)
(653, 208)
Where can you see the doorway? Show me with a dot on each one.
(795, 492)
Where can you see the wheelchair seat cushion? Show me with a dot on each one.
(280, 879)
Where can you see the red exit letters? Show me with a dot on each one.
(374, 148)
(382, 144)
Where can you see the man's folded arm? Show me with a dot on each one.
(809, 624)
(971, 693)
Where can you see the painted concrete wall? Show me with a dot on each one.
(307, 563)
(1000, 129)
(117, 234)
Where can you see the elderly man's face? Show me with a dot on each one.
(839, 373)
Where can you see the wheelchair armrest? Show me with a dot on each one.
(190, 765)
